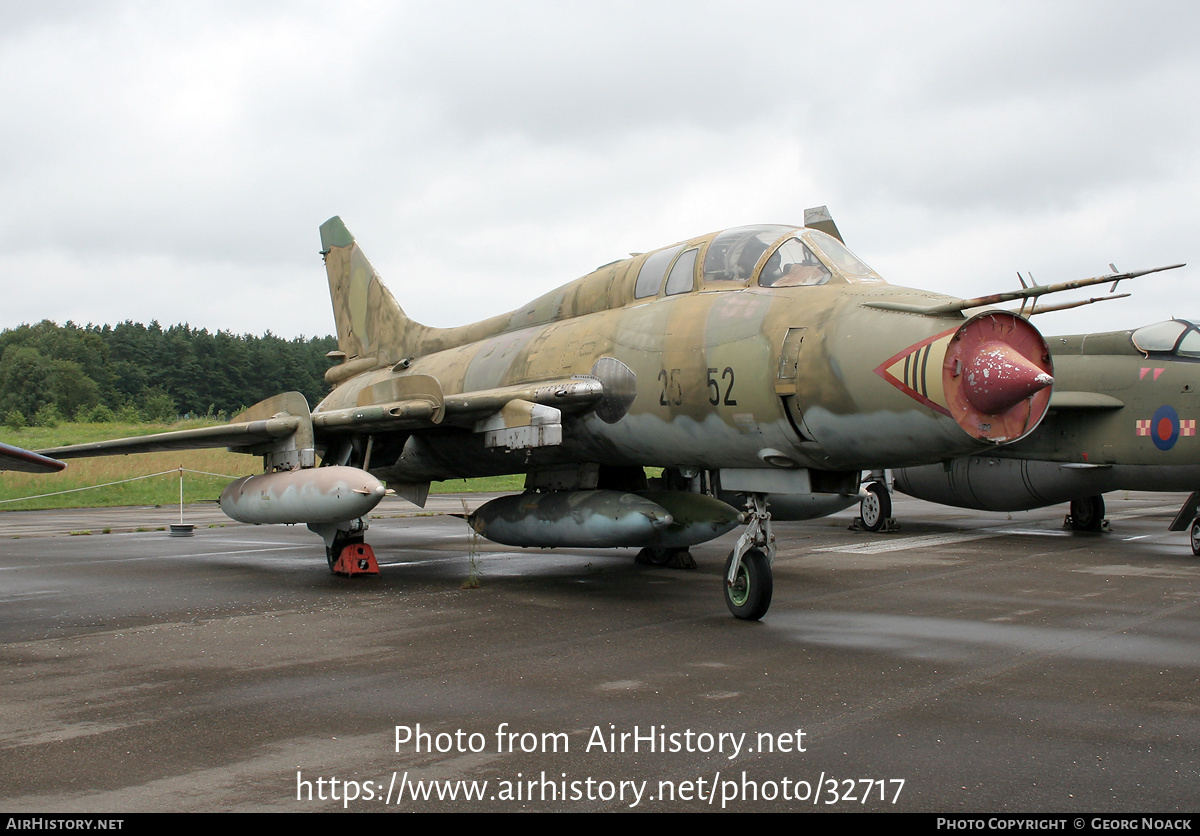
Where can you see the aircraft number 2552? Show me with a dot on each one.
(672, 388)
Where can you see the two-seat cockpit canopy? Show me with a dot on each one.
(747, 256)
(1175, 336)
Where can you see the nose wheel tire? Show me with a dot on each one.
(749, 596)
(875, 507)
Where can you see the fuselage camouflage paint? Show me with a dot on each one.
(1118, 404)
(725, 374)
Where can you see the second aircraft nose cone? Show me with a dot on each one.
(997, 378)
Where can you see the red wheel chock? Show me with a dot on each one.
(356, 559)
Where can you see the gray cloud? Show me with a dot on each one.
(173, 162)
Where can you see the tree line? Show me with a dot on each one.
(135, 372)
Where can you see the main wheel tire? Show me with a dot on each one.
(653, 557)
(1087, 514)
(875, 507)
(750, 595)
(340, 541)
(1195, 535)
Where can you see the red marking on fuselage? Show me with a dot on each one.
(1164, 428)
(882, 371)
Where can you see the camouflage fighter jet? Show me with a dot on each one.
(1122, 417)
(752, 362)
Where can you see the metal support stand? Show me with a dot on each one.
(181, 529)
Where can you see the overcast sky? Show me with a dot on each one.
(173, 161)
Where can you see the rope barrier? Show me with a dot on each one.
(174, 470)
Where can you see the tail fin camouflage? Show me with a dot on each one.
(371, 326)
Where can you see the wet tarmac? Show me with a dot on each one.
(969, 662)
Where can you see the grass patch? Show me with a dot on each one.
(483, 484)
(160, 490)
(85, 473)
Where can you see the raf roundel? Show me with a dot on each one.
(1164, 427)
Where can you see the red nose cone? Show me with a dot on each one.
(997, 378)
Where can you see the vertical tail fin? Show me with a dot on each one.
(371, 325)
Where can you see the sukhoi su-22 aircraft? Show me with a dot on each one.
(756, 362)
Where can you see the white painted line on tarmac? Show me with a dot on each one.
(932, 540)
(898, 545)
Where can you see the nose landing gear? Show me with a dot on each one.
(749, 582)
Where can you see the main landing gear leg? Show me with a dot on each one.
(748, 578)
(345, 551)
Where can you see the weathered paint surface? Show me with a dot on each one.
(994, 484)
(695, 518)
(312, 495)
(759, 352)
(719, 374)
(1121, 418)
(593, 519)
(1105, 387)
